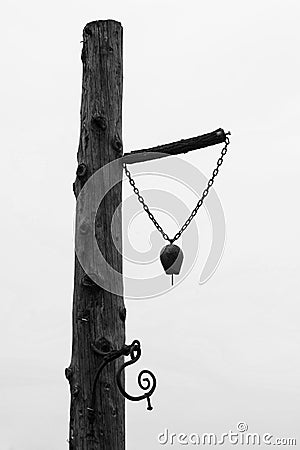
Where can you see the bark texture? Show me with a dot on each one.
(98, 315)
(176, 148)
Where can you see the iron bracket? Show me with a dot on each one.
(146, 379)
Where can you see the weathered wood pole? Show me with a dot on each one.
(98, 315)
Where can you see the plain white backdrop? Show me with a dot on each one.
(225, 351)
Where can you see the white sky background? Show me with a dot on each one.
(223, 352)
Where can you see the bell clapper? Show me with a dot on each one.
(172, 279)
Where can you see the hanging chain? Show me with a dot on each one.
(198, 205)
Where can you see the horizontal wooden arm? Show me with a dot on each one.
(176, 148)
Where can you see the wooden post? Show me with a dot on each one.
(98, 315)
(98, 422)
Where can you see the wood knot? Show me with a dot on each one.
(122, 314)
(117, 145)
(103, 345)
(99, 121)
(89, 282)
(81, 170)
(75, 390)
(84, 228)
(83, 54)
(88, 30)
(68, 373)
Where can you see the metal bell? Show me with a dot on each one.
(171, 257)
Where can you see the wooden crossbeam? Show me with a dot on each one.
(176, 148)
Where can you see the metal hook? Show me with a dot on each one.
(147, 382)
(134, 351)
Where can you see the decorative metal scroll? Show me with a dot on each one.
(146, 379)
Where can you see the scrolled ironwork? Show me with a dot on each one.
(147, 383)
(146, 379)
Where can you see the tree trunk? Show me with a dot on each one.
(98, 315)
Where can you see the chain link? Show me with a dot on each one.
(195, 210)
